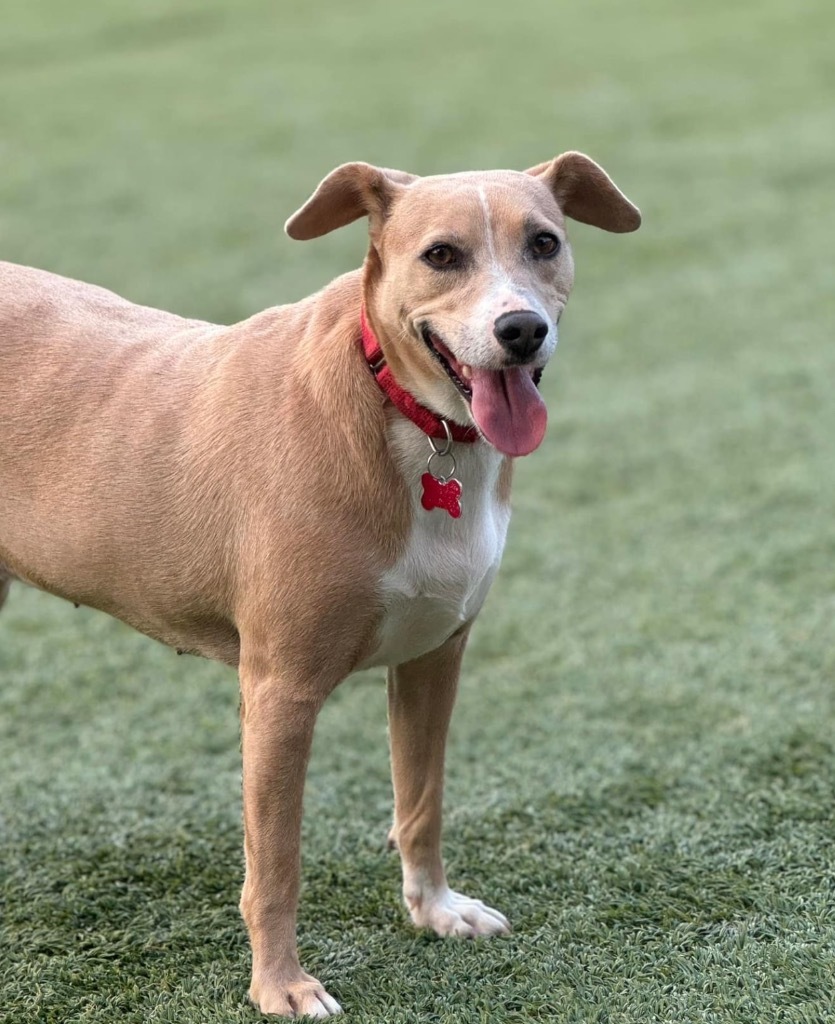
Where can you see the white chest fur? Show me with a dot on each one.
(441, 579)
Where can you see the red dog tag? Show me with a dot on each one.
(440, 494)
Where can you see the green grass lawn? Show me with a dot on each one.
(642, 766)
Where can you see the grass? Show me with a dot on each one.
(642, 768)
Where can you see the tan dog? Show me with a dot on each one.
(261, 493)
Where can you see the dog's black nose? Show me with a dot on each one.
(521, 333)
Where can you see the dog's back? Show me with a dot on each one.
(66, 350)
(89, 394)
(147, 462)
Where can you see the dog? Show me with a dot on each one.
(319, 489)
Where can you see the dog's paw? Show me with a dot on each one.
(302, 997)
(450, 913)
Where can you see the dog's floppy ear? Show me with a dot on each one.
(585, 192)
(348, 193)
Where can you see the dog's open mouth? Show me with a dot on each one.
(459, 374)
(505, 404)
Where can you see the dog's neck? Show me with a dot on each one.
(429, 422)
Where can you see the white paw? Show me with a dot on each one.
(449, 913)
(302, 997)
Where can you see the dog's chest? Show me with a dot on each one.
(442, 576)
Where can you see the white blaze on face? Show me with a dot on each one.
(498, 276)
(503, 294)
(506, 405)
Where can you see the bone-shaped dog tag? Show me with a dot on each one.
(445, 494)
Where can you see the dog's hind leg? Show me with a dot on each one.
(421, 696)
(5, 583)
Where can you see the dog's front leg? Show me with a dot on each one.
(277, 719)
(421, 695)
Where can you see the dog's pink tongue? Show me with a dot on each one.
(508, 409)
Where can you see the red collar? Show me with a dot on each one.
(428, 422)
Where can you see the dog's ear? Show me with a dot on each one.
(348, 193)
(585, 192)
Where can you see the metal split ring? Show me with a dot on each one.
(447, 443)
(442, 451)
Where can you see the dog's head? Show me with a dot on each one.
(466, 278)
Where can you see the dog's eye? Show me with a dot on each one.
(544, 245)
(441, 256)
